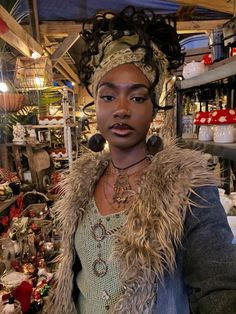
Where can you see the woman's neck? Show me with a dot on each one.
(122, 158)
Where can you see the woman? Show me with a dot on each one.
(140, 234)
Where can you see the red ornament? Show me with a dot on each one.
(233, 51)
(5, 220)
(201, 117)
(207, 59)
(223, 116)
(34, 226)
(14, 212)
(19, 201)
(36, 295)
(23, 294)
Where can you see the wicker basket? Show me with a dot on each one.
(12, 279)
(34, 210)
(11, 102)
(31, 73)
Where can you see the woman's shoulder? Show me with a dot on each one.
(84, 159)
(88, 164)
(177, 163)
(173, 157)
(176, 155)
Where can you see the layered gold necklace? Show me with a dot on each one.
(122, 189)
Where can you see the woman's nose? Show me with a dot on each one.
(122, 109)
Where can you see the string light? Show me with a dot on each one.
(3, 87)
(39, 81)
(35, 55)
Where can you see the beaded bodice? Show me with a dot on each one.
(98, 281)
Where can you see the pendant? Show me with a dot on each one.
(100, 267)
(99, 231)
(121, 186)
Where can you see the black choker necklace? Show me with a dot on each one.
(122, 186)
(132, 165)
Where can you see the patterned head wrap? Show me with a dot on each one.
(113, 53)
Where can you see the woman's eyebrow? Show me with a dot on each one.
(129, 86)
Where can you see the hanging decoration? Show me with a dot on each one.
(33, 73)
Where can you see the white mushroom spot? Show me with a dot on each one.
(203, 120)
(222, 119)
(232, 112)
(197, 115)
(214, 113)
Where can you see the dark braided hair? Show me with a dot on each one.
(150, 27)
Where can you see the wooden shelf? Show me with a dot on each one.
(50, 126)
(34, 146)
(62, 158)
(217, 71)
(59, 158)
(227, 151)
(7, 203)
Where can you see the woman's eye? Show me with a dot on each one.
(107, 97)
(139, 99)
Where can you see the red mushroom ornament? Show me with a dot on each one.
(223, 121)
(205, 131)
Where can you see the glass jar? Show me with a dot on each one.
(205, 133)
(224, 133)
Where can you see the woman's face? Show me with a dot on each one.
(123, 106)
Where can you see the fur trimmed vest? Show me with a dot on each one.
(148, 241)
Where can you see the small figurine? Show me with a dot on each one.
(19, 134)
(32, 137)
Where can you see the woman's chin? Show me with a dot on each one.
(126, 144)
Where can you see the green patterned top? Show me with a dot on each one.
(98, 281)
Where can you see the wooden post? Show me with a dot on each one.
(16, 154)
(30, 156)
(4, 161)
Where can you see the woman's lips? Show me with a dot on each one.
(121, 129)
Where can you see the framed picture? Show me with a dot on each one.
(44, 136)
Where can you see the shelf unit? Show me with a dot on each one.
(5, 204)
(67, 126)
(217, 72)
(60, 158)
(69, 122)
(227, 151)
(50, 126)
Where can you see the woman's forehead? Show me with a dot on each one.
(125, 73)
(125, 85)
